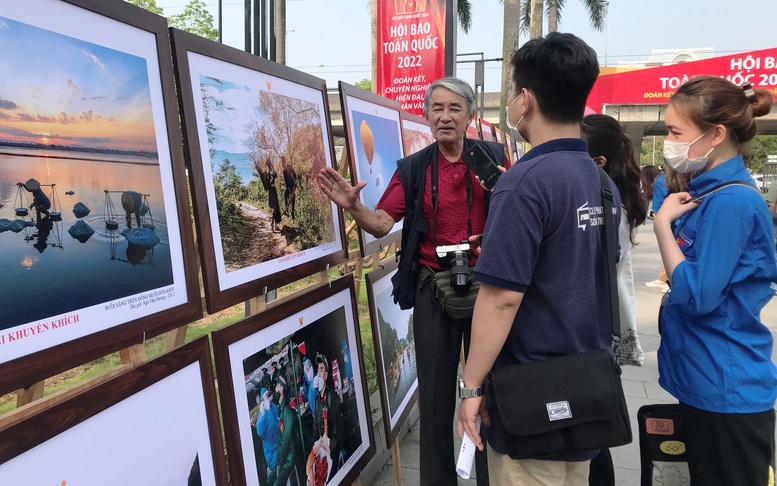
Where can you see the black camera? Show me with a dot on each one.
(457, 258)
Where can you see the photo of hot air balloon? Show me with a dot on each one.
(378, 147)
(374, 142)
(368, 142)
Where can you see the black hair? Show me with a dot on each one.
(649, 175)
(560, 70)
(606, 138)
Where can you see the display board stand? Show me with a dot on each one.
(177, 337)
(395, 458)
(30, 400)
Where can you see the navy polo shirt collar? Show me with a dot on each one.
(557, 145)
(730, 170)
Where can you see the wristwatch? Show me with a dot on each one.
(465, 392)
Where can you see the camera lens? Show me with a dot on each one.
(460, 277)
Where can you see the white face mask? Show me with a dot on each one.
(676, 155)
(514, 129)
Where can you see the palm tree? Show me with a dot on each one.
(280, 31)
(512, 10)
(597, 13)
(464, 12)
(535, 13)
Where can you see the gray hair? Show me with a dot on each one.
(456, 85)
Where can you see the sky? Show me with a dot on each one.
(60, 90)
(331, 38)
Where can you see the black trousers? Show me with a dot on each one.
(438, 339)
(728, 449)
(602, 471)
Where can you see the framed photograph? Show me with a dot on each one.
(498, 134)
(520, 149)
(416, 133)
(392, 331)
(486, 131)
(156, 424)
(257, 133)
(510, 148)
(96, 242)
(373, 139)
(293, 391)
(472, 130)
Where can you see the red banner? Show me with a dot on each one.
(657, 85)
(411, 50)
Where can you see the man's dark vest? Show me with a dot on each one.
(412, 176)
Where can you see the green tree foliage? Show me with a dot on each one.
(762, 146)
(365, 84)
(196, 19)
(149, 5)
(314, 224)
(229, 190)
(647, 155)
(464, 13)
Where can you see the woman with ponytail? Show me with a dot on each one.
(613, 151)
(715, 352)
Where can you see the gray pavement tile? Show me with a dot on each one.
(655, 392)
(634, 388)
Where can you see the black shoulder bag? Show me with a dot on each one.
(567, 403)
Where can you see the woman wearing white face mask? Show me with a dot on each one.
(715, 353)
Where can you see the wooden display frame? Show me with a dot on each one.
(381, 302)
(289, 331)
(486, 130)
(359, 106)
(69, 436)
(204, 67)
(416, 133)
(52, 343)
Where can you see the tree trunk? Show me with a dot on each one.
(374, 35)
(280, 31)
(537, 7)
(553, 17)
(512, 19)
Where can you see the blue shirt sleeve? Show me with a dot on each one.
(698, 283)
(659, 193)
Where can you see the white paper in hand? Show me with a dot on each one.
(467, 453)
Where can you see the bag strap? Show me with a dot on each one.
(698, 197)
(609, 234)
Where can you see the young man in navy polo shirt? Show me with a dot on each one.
(544, 289)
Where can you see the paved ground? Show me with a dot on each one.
(640, 384)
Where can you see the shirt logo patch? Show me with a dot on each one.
(589, 216)
(683, 239)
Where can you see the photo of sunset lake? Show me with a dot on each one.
(82, 209)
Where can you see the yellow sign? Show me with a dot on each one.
(672, 447)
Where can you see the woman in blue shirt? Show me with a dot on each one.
(715, 353)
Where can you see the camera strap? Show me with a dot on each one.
(435, 191)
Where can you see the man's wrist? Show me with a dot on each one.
(468, 392)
